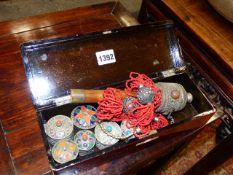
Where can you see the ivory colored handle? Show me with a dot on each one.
(86, 96)
(92, 96)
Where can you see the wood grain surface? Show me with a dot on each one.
(6, 163)
(204, 35)
(210, 27)
(21, 144)
(17, 114)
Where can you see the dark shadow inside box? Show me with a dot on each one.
(199, 105)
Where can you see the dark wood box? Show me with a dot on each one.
(53, 67)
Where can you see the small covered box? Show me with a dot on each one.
(97, 61)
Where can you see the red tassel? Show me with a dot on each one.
(137, 79)
(110, 107)
(141, 116)
(162, 122)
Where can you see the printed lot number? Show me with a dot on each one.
(105, 57)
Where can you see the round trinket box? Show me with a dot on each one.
(64, 151)
(85, 140)
(100, 146)
(108, 133)
(174, 97)
(84, 117)
(126, 131)
(59, 127)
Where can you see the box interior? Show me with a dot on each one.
(199, 105)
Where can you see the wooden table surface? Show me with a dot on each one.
(206, 39)
(203, 34)
(211, 28)
(21, 147)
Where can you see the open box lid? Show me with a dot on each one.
(55, 66)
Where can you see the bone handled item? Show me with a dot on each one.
(174, 96)
(93, 96)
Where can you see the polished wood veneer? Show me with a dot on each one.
(206, 39)
(22, 149)
(21, 146)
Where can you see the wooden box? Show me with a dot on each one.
(55, 66)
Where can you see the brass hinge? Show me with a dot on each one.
(171, 72)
